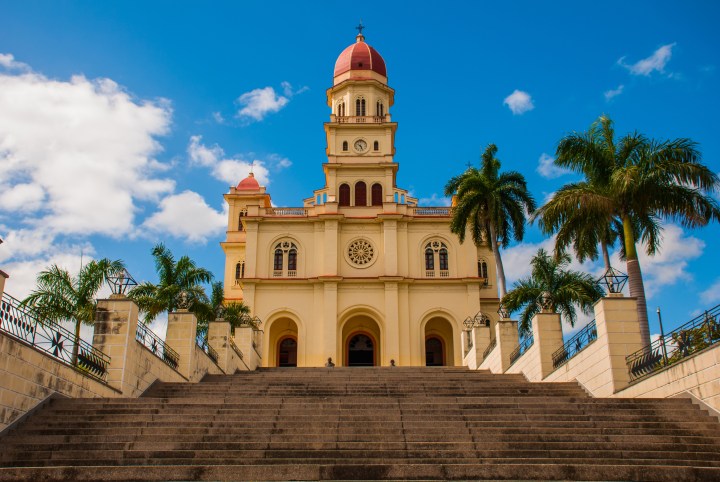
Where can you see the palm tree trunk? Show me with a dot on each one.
(498, 262)
(606, 255)
(637, 288)
(76, 343)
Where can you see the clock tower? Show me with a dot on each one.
(361, 135)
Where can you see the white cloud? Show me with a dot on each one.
(547, 168)
(8, 61)
(186, 216)
(712, 294)
(656, 61)
(231, 171)
(609, 94)
(257, 103)
(519, 102)
(434, 200)
(218, 117)
(77, 153)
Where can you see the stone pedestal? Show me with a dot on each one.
(116, 322)
(181, 335)
(218, 336)
(547, 335)
(506, 334)
(3, 277)
(617, 326)
(244, 341)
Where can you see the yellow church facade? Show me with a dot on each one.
(360, 273)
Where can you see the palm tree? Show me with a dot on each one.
(176, 279)
(60, 296)
(237, 314)
(631, 185)
(492, 204)
(553, 287)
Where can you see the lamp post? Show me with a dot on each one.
(662, 336)
(120, 282)
(613, 280)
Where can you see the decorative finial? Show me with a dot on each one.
(360, 37)
(252, 168)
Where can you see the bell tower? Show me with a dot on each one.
(360, 135)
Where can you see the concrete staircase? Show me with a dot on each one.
(364, 423)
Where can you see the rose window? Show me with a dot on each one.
(361, 252)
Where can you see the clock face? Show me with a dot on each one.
(360, 145)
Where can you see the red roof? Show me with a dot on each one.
(360, 56)
(249, 183)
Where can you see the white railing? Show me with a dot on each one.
(432, 211)
(292, 274)
(286, 211)
(444, 273)
(429, 274)
(277, 273)
(366, 119)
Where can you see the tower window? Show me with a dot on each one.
(376, 194)
(376, 146)
(443, 255)
(380, 109)
(344, 195)
(345, 145)
(240, 270)
(436, 254)
(341, 109)
(282, 268)
(482, 269)
(360, 107)
(360, 194)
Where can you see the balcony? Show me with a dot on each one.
(368, 119)
(302, 212)
(432, 211)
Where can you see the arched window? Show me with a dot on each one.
(345, 145)
(436, 254)
(380, 109)
(360, 107)
(341, 109)
(376, 146)
(292, 260)
(344, 195)
(482, 269)
(243, 213)
(240, 270)
(376, 194)
(429, 259)
(443, 255)
(360, 194)
(278, 260)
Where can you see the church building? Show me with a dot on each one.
(360, 273)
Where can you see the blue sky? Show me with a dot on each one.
(123, 123)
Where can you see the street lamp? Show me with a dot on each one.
(120, 281)
(613, 280)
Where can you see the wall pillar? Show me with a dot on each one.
(218, 335)
(617, 327)
(181, 336)
(392, 328)
(116, 322)
(329, 336)
(243, 340)
(547, 335)
(3, 277)
(506, 334)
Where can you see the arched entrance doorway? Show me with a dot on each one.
(287, 352)
(361, 350)
(360, 342)
(439, 349)
(434, 352)
(282, 343)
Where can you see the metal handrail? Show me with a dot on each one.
(697, 334)
(202, 341)
(235, 348)
(575, 345)
(522, 348)
(158, 347)
(490, 348)
(24, 324)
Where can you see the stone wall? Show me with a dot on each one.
(28, 376)
(698, 374)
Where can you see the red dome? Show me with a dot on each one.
(360, 56)
(249, 183)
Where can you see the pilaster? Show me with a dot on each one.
(251, 254)
(329, 328)
(391, 247)
(392, 329)
(330, 261)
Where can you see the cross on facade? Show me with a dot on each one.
(360, 28)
